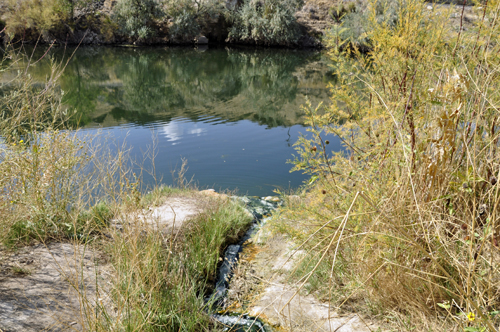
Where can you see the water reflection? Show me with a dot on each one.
(233, 114)
(112, 86)
(175, 130)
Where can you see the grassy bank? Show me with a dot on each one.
(404, 223)
(61, 186)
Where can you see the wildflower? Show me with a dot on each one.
(471, 316)
(21, 141)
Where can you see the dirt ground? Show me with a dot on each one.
(50, 288)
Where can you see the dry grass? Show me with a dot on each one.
(405, 222)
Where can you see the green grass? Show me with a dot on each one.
(209, 233)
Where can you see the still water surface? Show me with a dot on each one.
(233, 114)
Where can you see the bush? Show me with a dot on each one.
(190, 17)
(36, 16)
(407, 217)
(270, 22)
(353, 21)
(185, 26)
(136, 17)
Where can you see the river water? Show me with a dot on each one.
(233, 114)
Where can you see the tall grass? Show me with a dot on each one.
(162, 280)
(406, 219)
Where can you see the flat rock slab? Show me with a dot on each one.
(174, 212)
(171, 214)
(46, 297)
(279, 305)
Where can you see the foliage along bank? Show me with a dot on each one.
(271, 22)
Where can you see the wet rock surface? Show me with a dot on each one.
(259, 208)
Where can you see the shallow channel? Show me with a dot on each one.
(236, 322)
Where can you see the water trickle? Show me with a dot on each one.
(259, 208)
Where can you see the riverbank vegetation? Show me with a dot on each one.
(404, 223)
(88, 21)
(60, 185)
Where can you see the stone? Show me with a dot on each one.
(201, 40)
(50, 296)
(272, 199)
(213, 193)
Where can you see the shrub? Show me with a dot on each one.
(353, 22)
(49, 18)
(136, 17)
(185, 26)
(190, 17)
(407, 215)
(37, 16)
(270, 22)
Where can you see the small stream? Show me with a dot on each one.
(236, 322)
